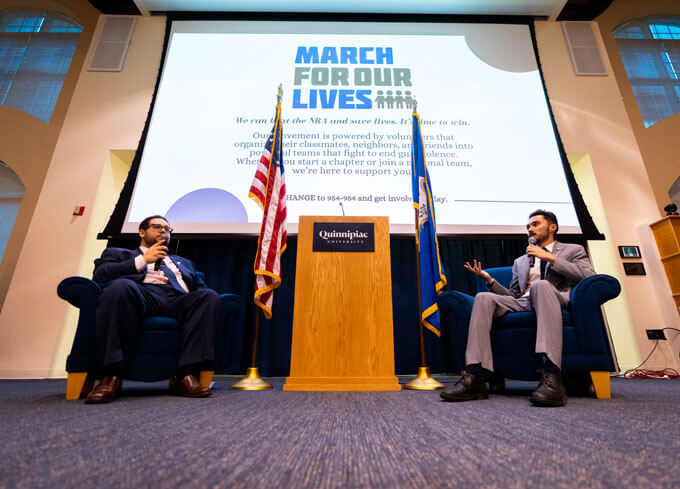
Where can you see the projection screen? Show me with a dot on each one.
(348, 90)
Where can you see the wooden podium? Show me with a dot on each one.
(342, 320)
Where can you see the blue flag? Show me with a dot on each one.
(432, 279)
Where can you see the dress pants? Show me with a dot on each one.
(543, 298)
(124, 303)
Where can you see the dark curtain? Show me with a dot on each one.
(228, 266)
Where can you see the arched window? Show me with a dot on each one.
(11, 195)
(650, 49)
(36, 47)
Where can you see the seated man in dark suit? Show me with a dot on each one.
(148, 281)
(541, 281)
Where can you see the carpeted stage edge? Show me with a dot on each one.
(276, 439)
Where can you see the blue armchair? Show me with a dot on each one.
(155, 351)
(513, 336)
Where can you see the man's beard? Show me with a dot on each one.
(150, 244)
(543, 238)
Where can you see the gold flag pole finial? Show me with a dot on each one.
(279, 93)
(415, 104)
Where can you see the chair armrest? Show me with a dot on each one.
(595, 291)
(455, 308)
(229, 303)
(586, 301)
(78, 290)
(231, 311)
(82, 293)
(456, 302)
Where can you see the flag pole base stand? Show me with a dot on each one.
(251, 382)
(424, 381)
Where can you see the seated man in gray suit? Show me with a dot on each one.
(541, 281)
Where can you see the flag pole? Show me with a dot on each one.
(423, 363)
(424, 380)
(252, 380)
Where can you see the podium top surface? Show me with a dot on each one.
(344, 219)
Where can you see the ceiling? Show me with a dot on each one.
(548, 9)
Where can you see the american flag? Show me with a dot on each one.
(269, 191)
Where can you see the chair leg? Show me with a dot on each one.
(601, 384)
(206, 377)
(498, 383)
(78, 385)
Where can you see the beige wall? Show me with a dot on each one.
(592, 120)
(27, 143)
(106, 115)
(606, 259)
(659, 144)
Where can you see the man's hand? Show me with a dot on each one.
(476, 268)
(156, 252)
(538, 252)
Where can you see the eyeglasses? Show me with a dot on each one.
(158, 227)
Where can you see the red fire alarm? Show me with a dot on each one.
(79, 210)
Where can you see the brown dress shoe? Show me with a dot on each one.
(189, 386)
(106, 391)
(550, 391)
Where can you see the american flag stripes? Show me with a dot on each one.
(269, 191)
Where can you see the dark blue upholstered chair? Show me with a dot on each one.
(513, 336)
(155, 351)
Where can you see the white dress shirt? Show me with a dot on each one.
(157, 276)
(535, 271)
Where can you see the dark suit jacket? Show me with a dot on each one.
(120, 263)
(571, 266)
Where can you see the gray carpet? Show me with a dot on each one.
(338, 440)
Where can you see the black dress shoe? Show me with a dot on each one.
(188, 386)
(106, 391)
(470, 387)
(550, 391)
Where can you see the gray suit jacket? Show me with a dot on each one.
(571, 266)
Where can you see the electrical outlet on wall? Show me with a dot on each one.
(656, 334)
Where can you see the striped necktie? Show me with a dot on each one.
(172, 278)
